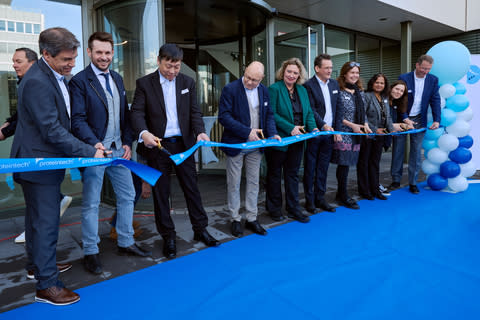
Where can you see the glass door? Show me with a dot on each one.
(302, 44)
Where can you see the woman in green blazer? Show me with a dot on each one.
(293, 116)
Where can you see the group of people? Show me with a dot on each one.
(292, 106)
(88, 116)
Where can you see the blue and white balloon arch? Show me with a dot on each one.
(448, 160)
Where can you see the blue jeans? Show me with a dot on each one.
(121, 179)
(415, 157)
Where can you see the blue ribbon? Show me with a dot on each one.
(147, 174)
(180, 157)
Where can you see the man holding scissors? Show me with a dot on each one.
(100, 117)
(246, 115)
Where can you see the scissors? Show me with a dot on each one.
(260, 134)
(159, 145)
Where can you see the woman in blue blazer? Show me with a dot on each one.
(293, 116)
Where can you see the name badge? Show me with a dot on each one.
(409, 91)
(265, 103)
(185, 91)
(335, 91)
(385, 101)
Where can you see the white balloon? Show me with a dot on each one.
(447, 90)
(460, 128)
(443, 102)
(429, 167)
(466, 114)
(437, 156)
(448, 142)
(458, 184)
(468, 169)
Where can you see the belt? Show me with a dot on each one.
(175, 139)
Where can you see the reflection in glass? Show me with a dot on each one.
(340, 45)
(134, 26)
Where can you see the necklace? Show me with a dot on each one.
(290, 92)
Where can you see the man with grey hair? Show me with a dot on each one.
(246, 115)
(43, 131)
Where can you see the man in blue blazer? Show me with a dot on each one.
(245, 114)
(323, 93)
(43, 131)
(422, 91)
(100, 117)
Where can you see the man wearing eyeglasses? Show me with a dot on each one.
(422, 91)
(322, 92)
(246, 115)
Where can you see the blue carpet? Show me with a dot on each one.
(411, 257)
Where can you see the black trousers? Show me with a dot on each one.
(289, 163)
(187, 177)
(317, 160)
(368, 166)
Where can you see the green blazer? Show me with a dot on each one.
(283, 111)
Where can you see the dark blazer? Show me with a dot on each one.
(373, 112)
(430, 96)
(283, 112)
(43, 125)
(317, 101)
(90, 108)
(148, 109)
(234, 115)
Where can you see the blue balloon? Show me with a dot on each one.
(458, 103)
(437, 182)
(434, 134)
(448, 117)
(452, 61)
(460, 155)
(449, 169)
(473, 75)
(460, 88)
(466, 142)
(428, 144)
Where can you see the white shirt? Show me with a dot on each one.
(99, 73)
(328, 118)
(253, 104)
(170, 98)
(62, 86)
(417, 100)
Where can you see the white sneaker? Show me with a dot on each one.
(64, 204)
(20, 238)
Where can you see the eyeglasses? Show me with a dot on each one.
(354, 64)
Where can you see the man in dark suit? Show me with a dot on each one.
(422, 91)
(323, 93)
(100, 117)
(43, 132)
(245, 114)
(165, 113)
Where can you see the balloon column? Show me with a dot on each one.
(448, 161)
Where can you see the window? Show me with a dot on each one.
(28, 28)
(36, 28)
(3, 26)
(20, 27)
(11, 26)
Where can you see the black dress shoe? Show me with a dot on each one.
(276, 216)
(300, 217)
(169, 248)
(92, 263)
(134, 250)
(394, 186)
(324, 205)
(350, 203)
(237, 229)
(206, 238)
(380, 196)
(311, 208)
(255, 227)
(367, 196)
(414, 189)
